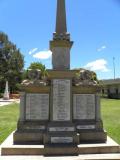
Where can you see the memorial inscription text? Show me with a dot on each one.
(84, 106)
(37, 106)
(61, 99)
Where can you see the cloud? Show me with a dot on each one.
(43, 54)
(101, 48)
(98, 65)
(33, 50)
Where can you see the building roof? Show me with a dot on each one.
(110, 81)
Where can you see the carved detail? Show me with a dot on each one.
(35, 78)
(34, 74)
(62, 36)
(85, 77)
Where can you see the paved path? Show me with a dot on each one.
(81, 157)
(7, 102)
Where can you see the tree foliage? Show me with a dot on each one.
(11, 63)
(40, 66)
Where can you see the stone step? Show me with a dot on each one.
(80, 157)
(7, 148)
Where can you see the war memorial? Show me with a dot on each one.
(60, 113)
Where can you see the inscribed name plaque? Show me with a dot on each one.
(86, 127)
(36, 127)
(61, 100)
(37, 106)
(61, 139)
(84, 106)
(61, 129)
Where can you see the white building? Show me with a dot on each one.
(111, 88)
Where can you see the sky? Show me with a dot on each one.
(94, 26)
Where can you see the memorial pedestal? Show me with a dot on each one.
(28, 138)
(60, 112)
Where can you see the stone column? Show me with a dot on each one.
(22, 106)
(98, 112)
(99, 124)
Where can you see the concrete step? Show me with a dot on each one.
(7, 148)
(80, 157)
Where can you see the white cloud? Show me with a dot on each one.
(101, 48)
(43, 54)
(33, 50)
(98, 65)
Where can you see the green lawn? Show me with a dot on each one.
(110, 113)
(8, 119)
(111, 117)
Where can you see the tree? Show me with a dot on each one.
(40, 66)
(11, 63)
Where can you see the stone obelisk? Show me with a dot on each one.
(61, 26)
(61, 44)
(6, 92)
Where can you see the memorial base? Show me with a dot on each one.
(27, 138)
(42, 138)
(61, 132)
(93, 137)
(8, 148)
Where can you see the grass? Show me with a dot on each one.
(110, 114)
(8, 120)
(111, 117)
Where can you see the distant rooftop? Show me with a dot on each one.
(111, 81)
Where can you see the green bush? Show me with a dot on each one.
(1, 95)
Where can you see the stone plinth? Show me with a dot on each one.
(48, 111)
(7, 148)
(63, 54)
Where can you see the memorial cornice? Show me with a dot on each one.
(60, 43)
(86, 89)
(35, 89)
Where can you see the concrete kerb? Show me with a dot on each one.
(7, 102)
